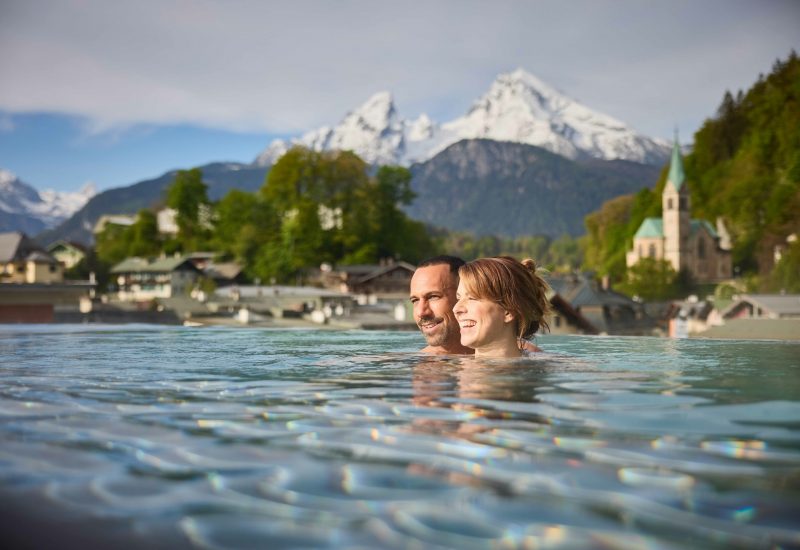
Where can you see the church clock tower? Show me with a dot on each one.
(675, 213)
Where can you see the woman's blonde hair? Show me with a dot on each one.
(514, 285)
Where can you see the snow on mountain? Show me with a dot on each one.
(373, 131)
(48, 207)
(518, 108)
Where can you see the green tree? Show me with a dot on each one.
(144, 239)
(392, 190)
(651, 279)
(188, 196)
(786, 275)
(113, 243)
(329, 209)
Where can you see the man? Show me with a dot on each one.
(433, 295)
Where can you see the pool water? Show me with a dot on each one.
(173, 437)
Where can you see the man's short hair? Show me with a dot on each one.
(454, 262)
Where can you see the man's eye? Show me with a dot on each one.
(414, 300)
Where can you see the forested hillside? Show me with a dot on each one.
(745, 168)
(487, 187)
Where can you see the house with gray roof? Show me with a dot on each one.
(22, 260)
(605, 310)
(144, 279)
(32, 286)
(764, 306)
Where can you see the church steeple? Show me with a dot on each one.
(676, 173)
(675, 212)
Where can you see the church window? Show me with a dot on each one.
(652, 251)
(701, 248)
(683, 205)
(669, 204)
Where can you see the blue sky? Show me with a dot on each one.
(115, 92)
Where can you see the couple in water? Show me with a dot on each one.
(489, 306)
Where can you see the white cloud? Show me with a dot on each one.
(289, 66)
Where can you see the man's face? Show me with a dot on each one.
(433, 294)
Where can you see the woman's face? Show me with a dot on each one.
(483, 323)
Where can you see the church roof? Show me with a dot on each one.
(654, 227)
(676, 174)
(697, 224)
(651, 227)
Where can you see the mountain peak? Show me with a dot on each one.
(521, 76)
(381, 101)
(372, 130)
(374, 115)
(518, 107)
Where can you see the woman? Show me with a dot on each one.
(501, 301)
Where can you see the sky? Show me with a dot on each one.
(114, 92)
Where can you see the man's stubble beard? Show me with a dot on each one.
(443, 337)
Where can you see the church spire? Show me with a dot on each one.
(676, 173)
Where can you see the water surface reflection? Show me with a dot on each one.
(242, 438)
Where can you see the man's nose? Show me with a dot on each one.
(424, 309)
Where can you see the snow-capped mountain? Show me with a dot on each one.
(23, 208)
(373, 131)
(517, 108)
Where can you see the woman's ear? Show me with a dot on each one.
(508, 317)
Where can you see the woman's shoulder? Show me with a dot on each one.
(528, 348)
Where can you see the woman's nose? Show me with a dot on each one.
(459, 307)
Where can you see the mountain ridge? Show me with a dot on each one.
(487, 187)
(517, 108)
(220, 177)
(23, 208)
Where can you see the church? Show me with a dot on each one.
(692, 245)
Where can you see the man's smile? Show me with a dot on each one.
(429, 324)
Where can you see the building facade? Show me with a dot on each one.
(143, 279)
(24, 261)
(694, 246)
(68, 253)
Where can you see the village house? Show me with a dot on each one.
(371, 282)
(222, 273)
(764, 306)
(747, 316)
(24, 261)
(67, 252)
(122, 220)
(691, 316)
(565, 319)
(142, 279)
(606, 311)
(166, 219)
(254, 303)
(691, 245)
(32, 286)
